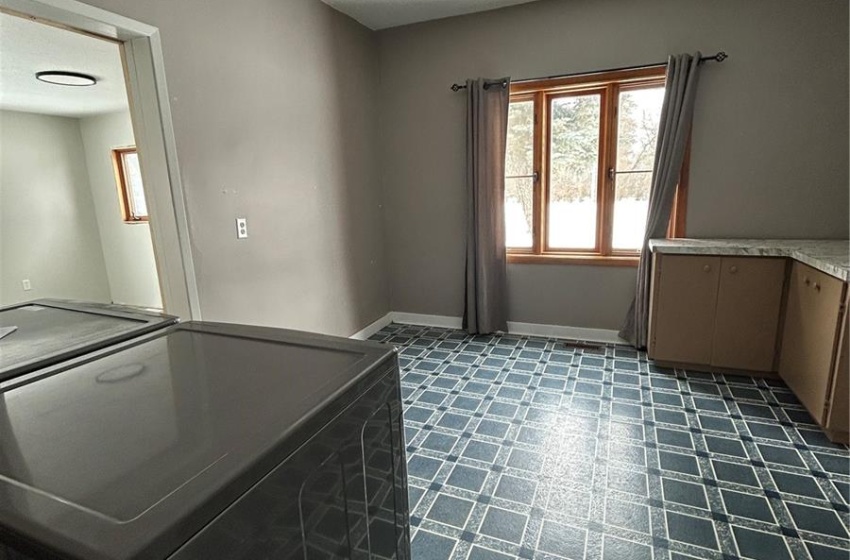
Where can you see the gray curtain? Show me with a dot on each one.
(676, 116)
(485, 305)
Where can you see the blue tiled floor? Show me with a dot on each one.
(522, 447)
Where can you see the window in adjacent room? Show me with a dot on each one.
(578, 167)
(128, 176)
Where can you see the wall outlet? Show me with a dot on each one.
(26, 284)
(241, 228)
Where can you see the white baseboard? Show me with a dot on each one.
(532, 329)
(373, 328)
(444, 321)
(572, 333)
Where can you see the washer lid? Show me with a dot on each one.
(50, 331)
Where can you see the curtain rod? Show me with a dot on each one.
(719, 57)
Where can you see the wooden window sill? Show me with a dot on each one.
(592, 260)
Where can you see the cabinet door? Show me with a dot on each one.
(683, 301)
(809, 337)
(838, 417)
(749, 301)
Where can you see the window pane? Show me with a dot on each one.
(630, 208)
(637, 128)
(519, 208)
(573, 168)
(138, 205)
(519, 155)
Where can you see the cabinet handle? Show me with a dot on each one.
(707, 268)
(806, 281)
(817, 287)
(733, 269)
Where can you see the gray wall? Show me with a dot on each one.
(770, 141)
(127, 248)
(275, 109)
(48, 228)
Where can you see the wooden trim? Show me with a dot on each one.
(605, 184)
(679, 212)
(588, 80)
(538, 227)
(57, 25)
(121, 183)
(680, 203)
(643, 84)
(545, 171)
(572, 259)
(519, 98)
(623, 253)
(550, 98)
(535, 139)
(608, 86)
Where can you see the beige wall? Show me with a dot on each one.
(48, 228)
(770, 141)
(275, 115)
(127, 248)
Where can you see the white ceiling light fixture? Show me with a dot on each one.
(63, 78)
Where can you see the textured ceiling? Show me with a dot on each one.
(27, 47)
(380, 14)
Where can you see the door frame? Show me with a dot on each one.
(150, 111)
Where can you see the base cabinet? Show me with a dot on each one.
(716, 311)
(810, 362)
(760, 315)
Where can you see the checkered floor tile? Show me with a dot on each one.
(524, 447)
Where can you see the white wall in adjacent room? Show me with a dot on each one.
(48, 227)
(127, 248)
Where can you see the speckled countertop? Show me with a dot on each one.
(831, 256)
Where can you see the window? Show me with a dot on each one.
(578, 167)
(128, 176)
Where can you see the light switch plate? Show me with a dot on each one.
(241, 228)
(26, 285)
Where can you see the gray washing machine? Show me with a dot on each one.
(207, 441)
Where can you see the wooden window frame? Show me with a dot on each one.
(607, 85)
(122, 182)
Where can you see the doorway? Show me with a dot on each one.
(87, 124)
(69, 172)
